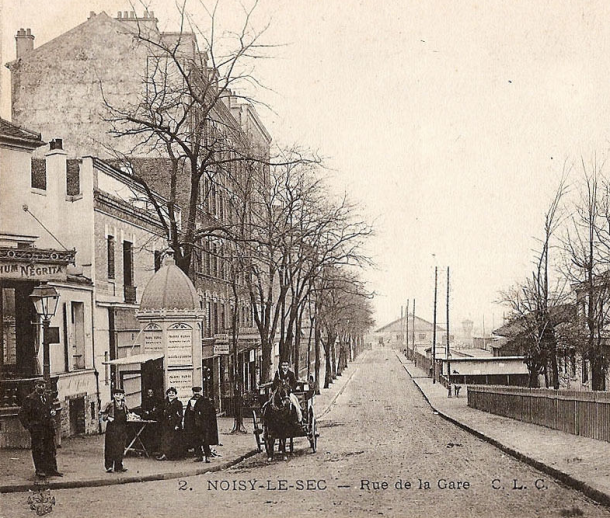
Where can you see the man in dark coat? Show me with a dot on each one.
(115, 414)
(171, 425)
(37, 417)
(284, 374)
(206, 428)
(190, 434)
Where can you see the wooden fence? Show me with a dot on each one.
(576, 412)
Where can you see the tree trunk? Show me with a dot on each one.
(317, 364)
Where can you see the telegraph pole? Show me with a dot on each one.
(407, 323)
(413, 331)
(434, 327)
(448, 354)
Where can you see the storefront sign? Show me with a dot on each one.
(18, 270)
(179, 345)
(221, 348)
(182, 381)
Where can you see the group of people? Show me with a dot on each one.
(192, 429)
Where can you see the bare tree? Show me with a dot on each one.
(587, 262)
(535, 308)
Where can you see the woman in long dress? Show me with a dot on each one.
(115, 414)
(171, 425)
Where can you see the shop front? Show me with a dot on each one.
(22, 268)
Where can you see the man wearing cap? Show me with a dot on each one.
(189, 419)
(115, 414)
(206, 428)
(37, 417)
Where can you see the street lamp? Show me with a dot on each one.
(45, 300)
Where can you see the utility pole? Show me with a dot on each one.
(407, 324)
(413, 331)
(448, 355)
(402, 325)
(434, 328)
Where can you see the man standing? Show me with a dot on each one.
(284, 374)
(189, 421)
(116, 432)
(206, 428)
(37, 417)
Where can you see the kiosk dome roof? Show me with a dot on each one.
(169, 288)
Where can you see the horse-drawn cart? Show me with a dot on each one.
(268, 426)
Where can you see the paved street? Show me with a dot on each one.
(382, 451)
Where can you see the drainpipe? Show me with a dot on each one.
(95, 371)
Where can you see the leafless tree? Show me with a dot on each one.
(586, 253)
(536, 308)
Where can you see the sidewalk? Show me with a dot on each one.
(81, 459)
(578, 462)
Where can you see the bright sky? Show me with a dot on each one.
(449, 121)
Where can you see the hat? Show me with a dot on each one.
(197, 389)
(119, 391)
(171, 390)
(40, 381)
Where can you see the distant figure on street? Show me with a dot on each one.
(37, 417)
(171, 425)
(115, 413)
(285, 374)
(206, 428)
(190, 433)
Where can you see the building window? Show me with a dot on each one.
(111, 263)
(78, 335)
(73, 178)
(39, 174)
(157, 260)
(585, 371)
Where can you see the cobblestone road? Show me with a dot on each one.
(382, 452)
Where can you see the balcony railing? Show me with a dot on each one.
(130, 294)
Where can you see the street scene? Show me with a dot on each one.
(278, 257)
(422, 466)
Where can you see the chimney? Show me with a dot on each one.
(24, 41)
(56, 143)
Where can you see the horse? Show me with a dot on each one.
(279, 417)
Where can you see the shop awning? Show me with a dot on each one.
(135, 359)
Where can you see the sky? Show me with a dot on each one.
(449, 122)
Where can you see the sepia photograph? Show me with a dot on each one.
(306, 258)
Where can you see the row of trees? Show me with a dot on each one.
(292, 249)
(564, 306)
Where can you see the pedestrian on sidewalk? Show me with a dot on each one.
(190, 432)
(206, 428)
(115, 414)
(171, 425)
(37, 415)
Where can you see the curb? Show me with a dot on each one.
(124, 480)
(568, 480)
(19, 488)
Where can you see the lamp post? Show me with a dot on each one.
(45, 300)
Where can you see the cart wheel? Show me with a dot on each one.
(313, 434)
(257, 431)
